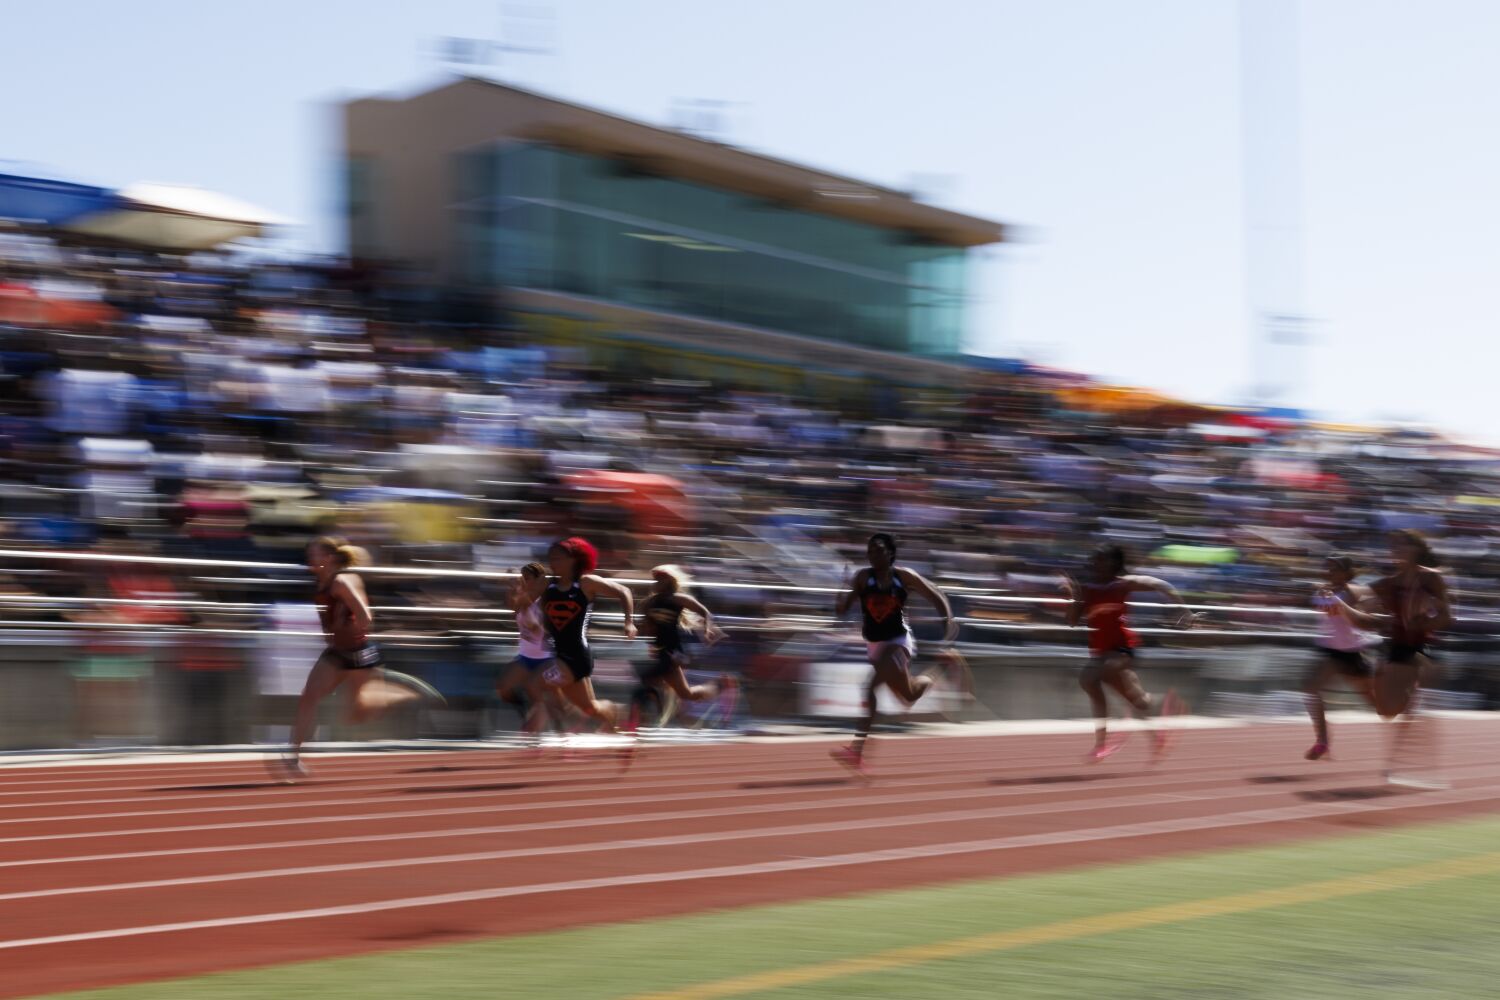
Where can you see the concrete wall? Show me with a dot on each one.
(51, 695)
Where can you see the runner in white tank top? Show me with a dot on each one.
(1341, 647)
(521, 685)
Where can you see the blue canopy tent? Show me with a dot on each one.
(50, 202)
(160, 216)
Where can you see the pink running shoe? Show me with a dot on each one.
(1106, 749)
(729, 699)
(1162, 739)
(852, 759)
(1318, 751)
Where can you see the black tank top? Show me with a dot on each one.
(665, 616)
(566, 613)
(884, 609)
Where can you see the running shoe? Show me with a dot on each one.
(1106, 749)
(850, 758)
(421, 687)
(729, 697)
(627, 753)
(1416, 782)
(951, 679)
(1162, 739)
(289, 769)
(1318, 751)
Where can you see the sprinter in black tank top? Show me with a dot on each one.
(881, 591)
(567, 607)
(661, 621)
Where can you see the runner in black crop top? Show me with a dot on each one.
(661, 620)
(567, 610)
(881, 591)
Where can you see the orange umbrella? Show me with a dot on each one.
(658, 505)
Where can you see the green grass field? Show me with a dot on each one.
(1409, 913)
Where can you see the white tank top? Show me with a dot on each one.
(1337, 632)
(534, 644)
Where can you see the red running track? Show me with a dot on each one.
(122, 873)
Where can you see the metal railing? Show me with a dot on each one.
(783, 622)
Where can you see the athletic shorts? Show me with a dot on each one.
(663, 662)
(367, 657)
(1099, 656)
(579, 662)
(1399, 652)
(874, 649)
(533, 663)
(1350, 662)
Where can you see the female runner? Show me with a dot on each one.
(1103, 603)
(351, 658)
(661, 620)
(1415, 605)
(567, 605)
(521, 684)
(881, 591)
(1341, 647)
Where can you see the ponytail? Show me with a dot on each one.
(676, 577)
(352, 555)
(346, 555)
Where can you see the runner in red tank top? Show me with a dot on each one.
(350, 657)
(1103, 604)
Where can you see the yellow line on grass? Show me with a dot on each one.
(1381, 880)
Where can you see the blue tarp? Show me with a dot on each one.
(37, 199)
(1008, 366)
(384, 494)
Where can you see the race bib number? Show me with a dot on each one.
(369, 656)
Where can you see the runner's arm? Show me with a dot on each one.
(1160, 586)
(597, 586)
(352, 588)
(1362, 613)
(915, 581)
(1075, 606)
(848, 597)
(711, 633)
(1443, 617)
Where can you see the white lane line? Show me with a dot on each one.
(1161, 785)
(546, 783)
(915, 853)
(591, 847)
(976, 779)
(1161, 793)
(544, 777)
(500, 762)
(540, 789)
(600, 847)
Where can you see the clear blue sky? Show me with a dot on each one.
(1109, 129)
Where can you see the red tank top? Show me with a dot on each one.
(340, 623)
(1409, 607)
(1104, 610)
